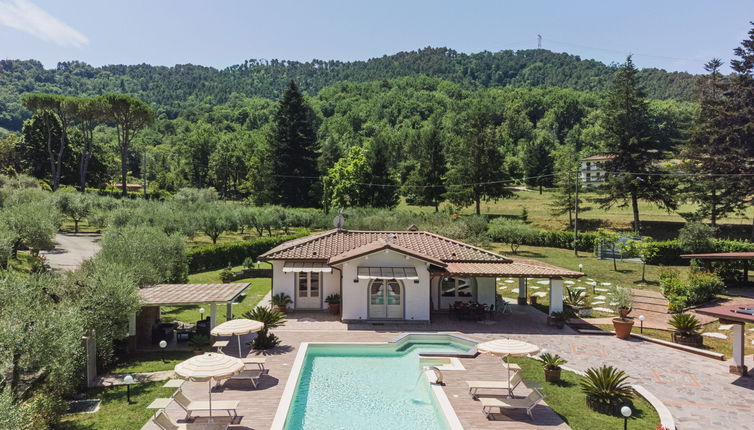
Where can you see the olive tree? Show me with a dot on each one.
(216, 220)
(75, 206)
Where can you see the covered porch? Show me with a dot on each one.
(743, 259)
(146, 329)
(737, 316)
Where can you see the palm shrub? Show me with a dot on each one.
(606, 389)
(687, 328)
(551, 364)
(271, 318)
(281, 301)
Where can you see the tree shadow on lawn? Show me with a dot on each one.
(528, 254)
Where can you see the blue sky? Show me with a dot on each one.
(670, 34)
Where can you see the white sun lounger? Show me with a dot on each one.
(527, 403)
(191, 406)
(163, 421)
(475, 386)
(253, 375)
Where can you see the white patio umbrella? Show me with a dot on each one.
(209, 367)
(507, 348)
(237, 327)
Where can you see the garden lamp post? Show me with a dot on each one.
(641, 322)
(163, 345)
(201, 313)
(626, 412)
(581, 268)
(128, 380)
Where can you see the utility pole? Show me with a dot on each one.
(576, 217)
(539, 41)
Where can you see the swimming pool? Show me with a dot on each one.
(369, 385)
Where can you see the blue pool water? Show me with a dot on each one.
(363, 387)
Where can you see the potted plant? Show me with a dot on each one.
(576, 300)
(533, 299)
(281, 301)
(687, 328)
(227, 275)
(551, 364)
(333, 301)
(622, 299)
(199, 343)
(559, 318)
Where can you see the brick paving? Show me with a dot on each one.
(699, 392)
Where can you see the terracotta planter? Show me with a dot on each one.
(533, 300)
(521, 301)
(552, 375)
(585, 312)
(623, 312)
(694, 340)
(334, 308)
(282, 308)
(623, 327)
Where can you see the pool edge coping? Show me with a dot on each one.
(284, 406)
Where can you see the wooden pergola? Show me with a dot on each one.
(708, 258)
(737, 315)
(155, 296)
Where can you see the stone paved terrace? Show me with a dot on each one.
(699, 391)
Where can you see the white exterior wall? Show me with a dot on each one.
(286, 283)
(485, 291)
(355, 295)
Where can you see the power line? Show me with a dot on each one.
(624, 52)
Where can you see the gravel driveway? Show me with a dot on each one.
(71, 250)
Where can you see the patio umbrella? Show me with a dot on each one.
(209, 367)
(507, 348)
(237, 328)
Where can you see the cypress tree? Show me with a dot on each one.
(293, 154)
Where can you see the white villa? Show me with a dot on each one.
(593, 170)
(398, 275)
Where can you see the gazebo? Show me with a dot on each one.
(153, 297)
(707, 259)
(738, 316)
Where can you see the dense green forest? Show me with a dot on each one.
(174, 89)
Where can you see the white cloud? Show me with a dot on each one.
(25, 16)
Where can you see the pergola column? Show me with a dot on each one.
(521, 291)
(229, 311)
(738, 368)
(556, 295)
(132, 332)
(212, 315)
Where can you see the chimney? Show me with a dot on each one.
(413, 227)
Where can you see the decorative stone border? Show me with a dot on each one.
(697, 351)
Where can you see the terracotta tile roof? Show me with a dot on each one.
(517, 268)
(334, 243)
(177, 294)
(721, 256)
(379, 245)
(598, 157)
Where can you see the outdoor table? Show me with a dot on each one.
(174, 383)
(220, 344)
(160, 403)
(259, 361)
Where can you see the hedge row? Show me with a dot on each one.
(563, 239)
(213, 257)
(667, 253)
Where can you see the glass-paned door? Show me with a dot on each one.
(308, 290)
(385, 299)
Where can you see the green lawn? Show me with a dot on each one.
(84, 227)
(628, 274)
(567, 400)
(143, 362)
(257, 290)
(115, 413)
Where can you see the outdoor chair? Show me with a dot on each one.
(510, 385)
(191, 406)
(253, 375)
(527, 403)
(163, 421)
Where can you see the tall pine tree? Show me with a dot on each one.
(631, 136)
(537, 160)
(292, 153)
(426, 182)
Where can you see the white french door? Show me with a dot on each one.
(386, 299)
(308, 290)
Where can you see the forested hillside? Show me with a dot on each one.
(173, 89)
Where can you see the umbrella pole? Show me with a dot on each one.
(508, 366)
(239, 347)
(210, 402)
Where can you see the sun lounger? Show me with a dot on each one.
(191, 406)
(475, 386)
(163, 421)
(527, 403)
(253, 375)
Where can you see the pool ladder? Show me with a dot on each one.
(438, 374)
